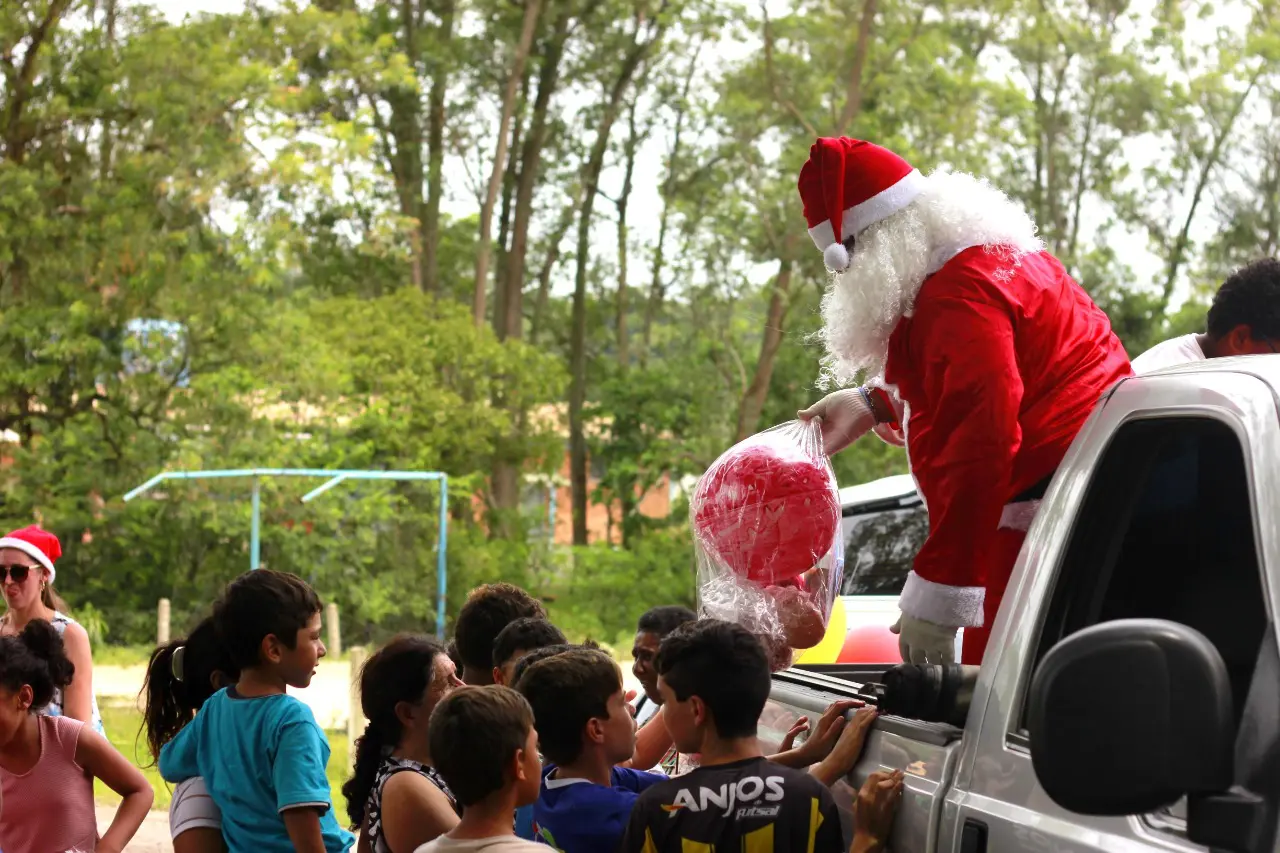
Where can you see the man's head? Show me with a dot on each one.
(484, 745)
(653, 626)
(488, 610)
(1244, 318)
(883, 228)
(271, 620)
(579, 708)
(714, 680)
(517, 640)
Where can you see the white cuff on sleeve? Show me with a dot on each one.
(941, 604)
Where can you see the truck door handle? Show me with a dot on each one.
(973, 836)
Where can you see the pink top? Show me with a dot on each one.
(49, 809)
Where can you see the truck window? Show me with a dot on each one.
(1166, 532)
(879, 547)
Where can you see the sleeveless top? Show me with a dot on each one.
(60, 622)
(49, 809)
(373, 810)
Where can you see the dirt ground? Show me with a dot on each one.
(153, 837)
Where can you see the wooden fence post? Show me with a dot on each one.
(162, 622)
(335, 633)
(355, 714)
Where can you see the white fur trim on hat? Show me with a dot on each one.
(883, 204)
(31, 551)
(942, 604)
(823, 235)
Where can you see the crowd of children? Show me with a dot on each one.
(537, 745)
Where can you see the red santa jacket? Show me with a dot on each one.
(999, 364)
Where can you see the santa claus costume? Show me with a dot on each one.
(976, 348)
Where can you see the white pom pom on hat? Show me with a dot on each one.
(836, 257)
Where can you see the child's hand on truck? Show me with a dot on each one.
(874, 811)
(848, 748)
(822, 739)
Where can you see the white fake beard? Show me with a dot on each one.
(892, 258)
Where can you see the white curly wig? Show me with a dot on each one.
(892, 258)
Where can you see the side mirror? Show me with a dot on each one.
(1128, 716)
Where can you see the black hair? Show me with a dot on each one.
(663, 620)
(452, 651)
(35, 657)
(526, 634)
(259, 604)
(725, 666)
(474, 733)
(401, 671)
(488, 610)
(180, 679)
(566, 691)
(526, 661)
(1249, 297)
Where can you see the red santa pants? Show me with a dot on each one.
(1008, 544)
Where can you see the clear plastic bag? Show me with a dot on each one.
(766, 533)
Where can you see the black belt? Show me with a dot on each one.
(1034, 493)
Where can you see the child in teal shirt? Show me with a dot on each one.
(260, 751)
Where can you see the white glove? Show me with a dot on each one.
(845, 418)
(924, 642)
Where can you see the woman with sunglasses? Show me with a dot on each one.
(26, 575)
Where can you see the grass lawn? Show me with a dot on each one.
(104, 655)
(123, 722)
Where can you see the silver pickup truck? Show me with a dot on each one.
(1129, 699)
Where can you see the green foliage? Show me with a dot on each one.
(604, 590)
(212, 255)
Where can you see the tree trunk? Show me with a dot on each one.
(1206, 168)
(578, 331)
(656, 289)
(19, 81)
(505, 480)
(548, 267)
(406, 130)
(1037, 189)
(504, 219)
(853, 94)
(1082, 167)
(430, 238)
(624, 354)
(532, 9)
(105, 145)
(753, 400)
(530, 167)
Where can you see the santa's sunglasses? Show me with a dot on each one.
(18, 573)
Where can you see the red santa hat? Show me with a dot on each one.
(40, 545)
(849, 185)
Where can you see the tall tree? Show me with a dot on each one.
(645, 34)
(520, 55)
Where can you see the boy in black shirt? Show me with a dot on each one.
(714, 680)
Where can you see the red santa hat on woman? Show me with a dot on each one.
(849, 185)
(40, 545)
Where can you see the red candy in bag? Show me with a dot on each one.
(767, 511)
(764, 514)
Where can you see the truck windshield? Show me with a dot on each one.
(879, 547)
